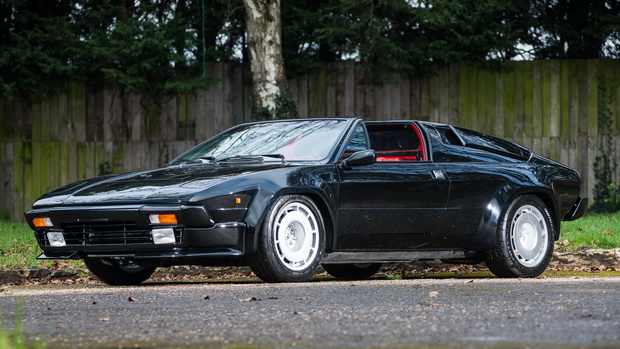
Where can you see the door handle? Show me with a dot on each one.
(438, 174)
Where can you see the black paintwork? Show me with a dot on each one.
(445, 204)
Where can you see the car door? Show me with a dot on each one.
(390, 205)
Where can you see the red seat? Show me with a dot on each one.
(397, 158)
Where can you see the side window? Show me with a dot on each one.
(396, 142)
(358, 142)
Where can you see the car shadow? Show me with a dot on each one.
(324, 277)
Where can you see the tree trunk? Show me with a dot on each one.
(265, 47)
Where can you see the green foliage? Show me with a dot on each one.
(143, 46)
(613, 199)
(574, 29)
(393, 276)
(286, 106)
(104, 168)
(409, 37)
(158, 46)
(605, 192)
(403, 37)
(139, 55)
(36, 48)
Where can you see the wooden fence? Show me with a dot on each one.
(549, 106)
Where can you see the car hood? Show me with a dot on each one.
(165, 185)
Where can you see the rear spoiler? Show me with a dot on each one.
(578, 209)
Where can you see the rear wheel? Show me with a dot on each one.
(118, 271)
(357, 271)
(290, 242)
(524, 241)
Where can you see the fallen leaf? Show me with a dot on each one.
(251, 299)
(302, 298)
(433, 294)
(565, 242)
(435, 305)
(131, 299)
(104, 319)
(207, 298)
(469, 281)
(273, 298)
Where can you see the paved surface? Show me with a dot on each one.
(449, 313)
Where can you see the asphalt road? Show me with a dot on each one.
(428, 313)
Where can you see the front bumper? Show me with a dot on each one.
(125, 232)
(164, 255)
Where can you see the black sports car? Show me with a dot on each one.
(287, 196)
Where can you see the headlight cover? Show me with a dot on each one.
(228, 208)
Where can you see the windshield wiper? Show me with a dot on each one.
(250, 157)
(278, 156)
(208, 158)
(200, 160)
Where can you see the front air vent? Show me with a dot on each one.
(106, 233)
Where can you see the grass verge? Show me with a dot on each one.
(18, 247)
(592, 231)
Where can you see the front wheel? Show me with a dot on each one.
(291, 241)
(524, 241)
(118, 271)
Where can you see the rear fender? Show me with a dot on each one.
(485, 238)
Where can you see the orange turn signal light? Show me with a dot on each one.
(237, 201)
(163, 218)
(41, 222)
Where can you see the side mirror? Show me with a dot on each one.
(360, 158)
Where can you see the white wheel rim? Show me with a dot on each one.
(296, 236)
(529, 236)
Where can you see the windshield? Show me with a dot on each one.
(296, 140)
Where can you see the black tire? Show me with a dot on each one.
(291, 241)
(118, 272)
(358, 271)
(524, 240)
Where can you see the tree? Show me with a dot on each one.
(158, 46)
(264, 30)
(36, 47)
(141, 46)
(403, 37)
(574, 28)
